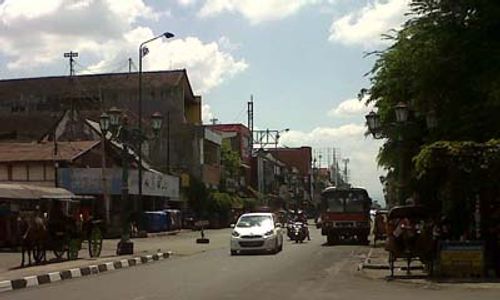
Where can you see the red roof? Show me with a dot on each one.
(240, 128)
(66, 151)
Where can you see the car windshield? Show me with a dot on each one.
(254, 221)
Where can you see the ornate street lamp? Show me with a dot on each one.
(401, 110)
(156, 122)
(127, 137)
(373, 121)
(114, 117)
(104, 123)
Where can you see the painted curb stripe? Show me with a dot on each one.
(55, 276)
(5, 286)
(109, 266)
(94, 269)
(124, 263)
(18, 284)
(131, 262)
(66, 274)
(85, 271)
(75, 273)
(43, 279)
(102, 268)
(31, 281)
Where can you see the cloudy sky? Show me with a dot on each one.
(303, 60)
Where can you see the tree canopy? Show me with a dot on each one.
(444, 61)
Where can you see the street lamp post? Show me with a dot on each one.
(127, 138)
(104, 124)
(142, 52)
(375, 128)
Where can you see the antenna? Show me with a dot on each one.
(70, 55)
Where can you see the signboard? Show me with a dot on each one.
(88, 181)
(462, 259)
(201, 223)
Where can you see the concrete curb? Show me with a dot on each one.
(42, 279)
(162, 233)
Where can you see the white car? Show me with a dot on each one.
(257, 232)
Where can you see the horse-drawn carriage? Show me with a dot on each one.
(66, 223)
(409, 236)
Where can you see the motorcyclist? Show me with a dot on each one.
(302, 218)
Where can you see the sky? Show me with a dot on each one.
(302, 60)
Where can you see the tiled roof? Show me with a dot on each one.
(66, 151)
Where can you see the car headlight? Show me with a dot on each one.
(270, 232)
(235, 233)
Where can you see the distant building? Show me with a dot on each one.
(238, 136)
(48, 108)
(299, 161)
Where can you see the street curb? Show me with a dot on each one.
(162, 233)
(47, 278)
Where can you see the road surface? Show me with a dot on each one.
(301, 271)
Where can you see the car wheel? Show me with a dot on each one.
(234, 252)
(276, 248)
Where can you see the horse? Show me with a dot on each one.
(33, 237)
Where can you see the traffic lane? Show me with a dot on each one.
(210, 275)
(309, 270)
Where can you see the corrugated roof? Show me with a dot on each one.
(66, 151)
(26, 191)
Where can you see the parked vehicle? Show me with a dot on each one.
(256, 232)
(345, 214)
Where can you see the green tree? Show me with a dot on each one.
(444, 60)
(231, 163)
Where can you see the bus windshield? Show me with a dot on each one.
(349, 200)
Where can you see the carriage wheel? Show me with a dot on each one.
(74, 246)
(95, 242)
(38, 253)
(58, 250)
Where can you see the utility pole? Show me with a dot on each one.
(214, 121)
(250, 124)
(70, 55)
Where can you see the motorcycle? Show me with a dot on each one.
(289, 229)
(299, 232)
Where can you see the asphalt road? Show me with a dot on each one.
(301, 271)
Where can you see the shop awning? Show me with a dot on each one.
(26, 191)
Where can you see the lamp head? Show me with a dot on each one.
(168, 35)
